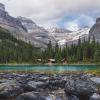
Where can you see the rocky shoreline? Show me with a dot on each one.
(49, 87)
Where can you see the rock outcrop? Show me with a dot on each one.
(95, 30)
(2, 7)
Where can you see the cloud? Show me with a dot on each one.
(83, 20)
(79, 22)
(49, 12)
(72, 26)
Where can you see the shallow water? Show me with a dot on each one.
(50, 68)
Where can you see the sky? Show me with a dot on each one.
(69, 14)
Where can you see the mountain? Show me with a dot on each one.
(24, 29)
(12, 24)
(63, 36)
(9, 22)
(35, 32)
(95, 30)
(28, 31)
(59, 34)
(27, 23)
(82, 34)
(58, 30)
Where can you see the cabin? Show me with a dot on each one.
(64, 61)
(51, 61)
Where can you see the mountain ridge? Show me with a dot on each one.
(27, 30)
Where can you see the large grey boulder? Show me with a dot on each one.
(10, 88)
(30, 96)
(72, 97)
(96, 80)
(80, 88)
(33, 85)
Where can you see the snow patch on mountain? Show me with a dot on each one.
(63, 36)
(81, 33)
(62, 42)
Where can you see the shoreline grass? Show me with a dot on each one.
(93, 72)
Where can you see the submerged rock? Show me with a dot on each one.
(10, 88)
(81, 88)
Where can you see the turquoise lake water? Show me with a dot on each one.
(50, 68)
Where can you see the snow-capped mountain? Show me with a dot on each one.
(82, 33)
(63, 36)
(28, 31)
(58, 30)
(59, 33)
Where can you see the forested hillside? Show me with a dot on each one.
(13, 50)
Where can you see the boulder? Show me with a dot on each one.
(96, 80)
(35, 85)
(44, 78)
(80, 88)
(30, 96)
(72, 97)
(10, 88)
(95, 96)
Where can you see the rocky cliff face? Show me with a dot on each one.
(8, 21)
(23, 28)
(27, 23)
(34, 31)
(95, 30)
(2, 7)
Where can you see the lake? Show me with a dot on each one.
(45, 68)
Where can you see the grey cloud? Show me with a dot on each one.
(49, 11)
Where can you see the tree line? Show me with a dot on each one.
(84, 51)
(17, 51)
